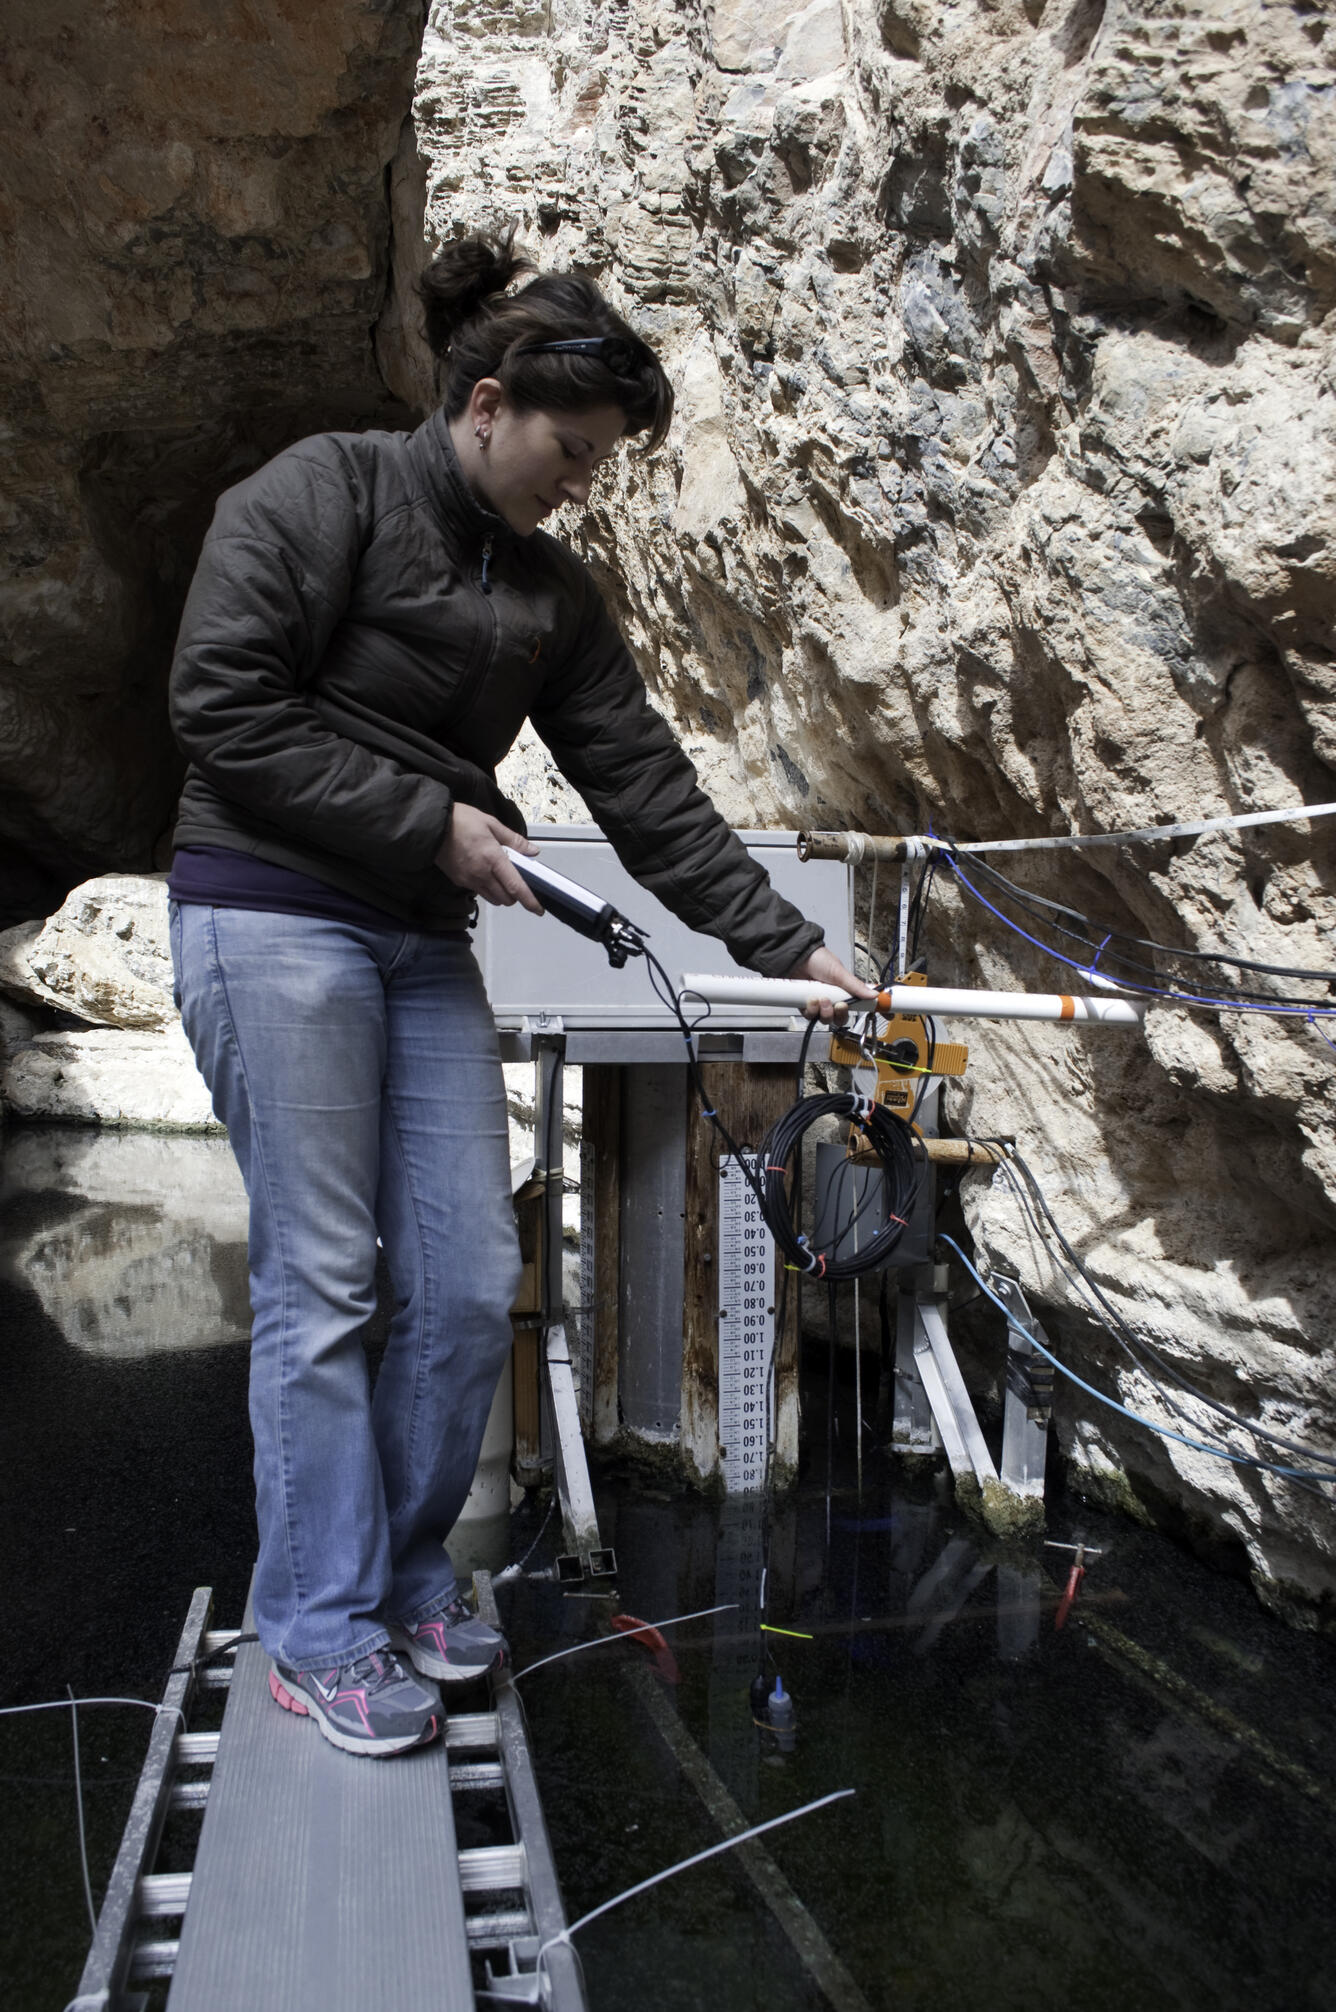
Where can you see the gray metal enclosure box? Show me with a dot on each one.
(533, 964)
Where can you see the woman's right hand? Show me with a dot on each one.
(476, 855)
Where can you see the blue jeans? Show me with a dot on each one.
(358, 1075)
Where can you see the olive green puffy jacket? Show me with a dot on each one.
(342, 679)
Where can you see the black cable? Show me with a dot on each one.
(1114, 1326)
(832, 1316)
(213, 1655)
(886, 1377)
(1136, 1346)
(801, 1085)
(890, 1139)
(663, 988)
(1118, 962)
(918, 908)
(1313, 1482)
(1094, 930)
(930, 1030)
(1115, 962)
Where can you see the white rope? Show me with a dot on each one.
(1154, 831)
(79, 1809)
(64, 1704)
(621, 1635)
(684, 1865)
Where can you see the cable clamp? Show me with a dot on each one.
(867, 1039)
(863, 1089)
(1312, 1021)
(816, 1261)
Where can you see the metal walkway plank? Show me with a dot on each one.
(324, 1881)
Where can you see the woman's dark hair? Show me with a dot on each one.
(479, 329)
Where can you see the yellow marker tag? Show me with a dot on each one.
(796, 1633)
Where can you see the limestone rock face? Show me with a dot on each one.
(103, 956)
(108, 1077)
(195, 230)
(149, 1251)
(1000, 499)
(103, 959)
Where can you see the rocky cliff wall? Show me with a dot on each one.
(1001, 500)
(196, 216)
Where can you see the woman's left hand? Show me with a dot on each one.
(824, 968)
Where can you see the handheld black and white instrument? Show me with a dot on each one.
(591, 914)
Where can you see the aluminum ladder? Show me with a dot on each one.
(314, 1872)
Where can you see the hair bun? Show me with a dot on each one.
(463, 277)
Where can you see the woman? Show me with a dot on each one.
(373, 617)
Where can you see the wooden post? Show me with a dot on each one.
(525, 1316)
(748, 1097)
(600, 1194)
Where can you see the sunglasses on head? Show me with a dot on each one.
(622, 356)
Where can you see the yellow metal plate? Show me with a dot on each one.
(949, 1058)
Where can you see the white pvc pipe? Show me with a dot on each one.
(794, 993)
(720, 990)
(1106, 1011)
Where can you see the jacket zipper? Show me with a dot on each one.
(466, 697)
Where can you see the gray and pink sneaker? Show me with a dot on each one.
(454, 1646)
(372, 1706)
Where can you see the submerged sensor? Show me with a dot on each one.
(590, 914)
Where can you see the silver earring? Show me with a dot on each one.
(480, 433)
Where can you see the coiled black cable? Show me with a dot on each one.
(890, 1138)
(893, 1143)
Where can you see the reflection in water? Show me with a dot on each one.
(139, 1243)
(1123, 1811)
(1133, 1811)
(125, 1473)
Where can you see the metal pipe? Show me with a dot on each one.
(963, 1153)
(856, 846)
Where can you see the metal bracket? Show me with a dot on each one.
(518, 1987)
(573, 1570)
(1029, 1396)
(950, 1401)
(579, 1518)
(538, 1027)
(545, 1035)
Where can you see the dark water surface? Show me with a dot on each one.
(1138, 1809)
